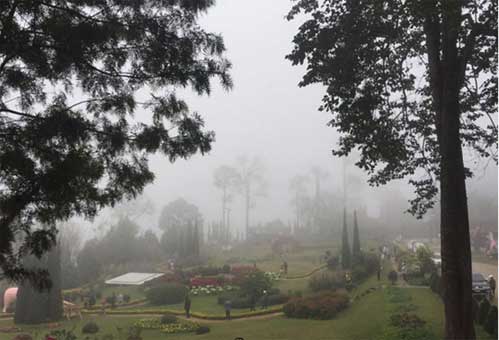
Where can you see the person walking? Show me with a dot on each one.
(492, 285)
(187, 306)
(285, 265)
(228, 308)
(265, 300)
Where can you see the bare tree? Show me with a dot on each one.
(298, 186)
(251, 183)
(226, 178)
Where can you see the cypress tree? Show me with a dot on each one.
(356, 255)
(345, 248)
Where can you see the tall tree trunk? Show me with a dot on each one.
(454, 225)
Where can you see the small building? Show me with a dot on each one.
(136, 279)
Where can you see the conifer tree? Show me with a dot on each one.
(345, 247)
(356, 254)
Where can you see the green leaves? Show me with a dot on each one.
(372, 58)
(73, 137)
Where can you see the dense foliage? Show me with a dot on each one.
(73, 136)
(320, 306)
(90, 328)
(166, 294)
(181, 222)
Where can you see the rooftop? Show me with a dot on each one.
(133, 279)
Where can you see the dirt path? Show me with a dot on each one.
(192, 318)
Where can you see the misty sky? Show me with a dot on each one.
(266, 114)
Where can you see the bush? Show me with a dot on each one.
(166, 294)
(326, 281)
(277, 299)
(359, 273)
(90, 328)
(168, 319)
(226, 269)
(126, 298)
(202, 330)
(321, 306)
(406, 320)
(490, 324)
(393, 276)
(23, 337)
(483, 311)
(63, 334)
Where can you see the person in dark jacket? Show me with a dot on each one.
(187, 306)
(228, 308)
(492, 285)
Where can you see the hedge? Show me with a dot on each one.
(161, 311)
(321, 306)
(128, 304)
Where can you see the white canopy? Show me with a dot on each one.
(133, 279)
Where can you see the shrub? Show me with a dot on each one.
(359, 273)
(321, 306)
(406, 320)
(326, 281)
(332, 263)
(90, 328)
(241, 302)
(23, 337)
(226, 269)
(475, 306)
(166, 294)
(202, 330)
(277, 299)
(393, 276)
(126, 298)
(490, 324)
(483, 311)
(63, 334)
(255, 283)
(167, 319)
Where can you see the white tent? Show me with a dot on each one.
(133, 279)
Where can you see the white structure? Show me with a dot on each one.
(134, 279)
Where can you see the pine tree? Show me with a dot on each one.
(345, 247)
(356, 254)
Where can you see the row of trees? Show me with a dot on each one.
(247, 179)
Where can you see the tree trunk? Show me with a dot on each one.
(247, 209)
(454, 226)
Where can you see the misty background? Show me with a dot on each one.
(267, 115)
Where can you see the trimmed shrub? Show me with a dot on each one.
(168, 319)
(321, 306)
(490, 324)
(326, 281)
(202, 330)
(126, 298)
(166, 294)
(483, 311)
(406, 320)
(90, 328)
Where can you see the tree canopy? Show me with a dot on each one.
(74, 134)
(371, 56)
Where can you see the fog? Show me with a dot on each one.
(267, 115)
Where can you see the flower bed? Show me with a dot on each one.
(321, 306)
(210, 290)
(273, 276)
(206, 281)
(171, 328)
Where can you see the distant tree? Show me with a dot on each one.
(254, 284)
(69, 242)
(89, 261)
(318, 174)
(298, 187)
(73, 137)
(251, 183)
(346, 259)
(181, 223)
(226, 179)
(356, 253)
(409, 84)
